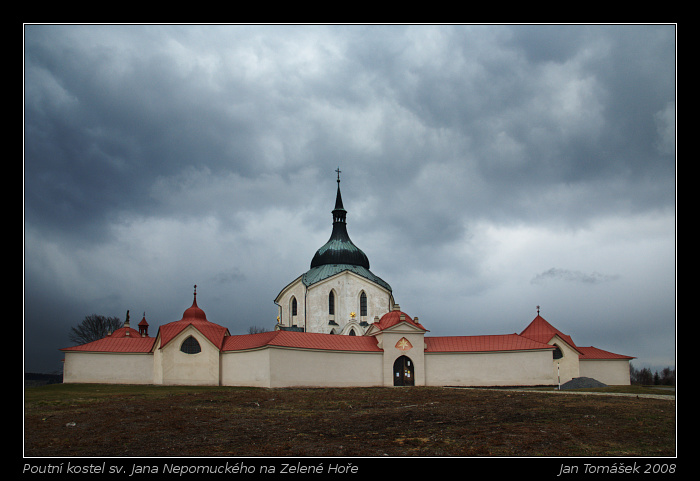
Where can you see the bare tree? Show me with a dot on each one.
(256, 330)
(93, 327)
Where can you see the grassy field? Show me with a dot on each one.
(115, 420)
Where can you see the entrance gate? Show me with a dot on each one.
(403, 372)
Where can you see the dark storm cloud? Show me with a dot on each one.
(556, 274)
(108, 116)
(158, 157)
(522, 107)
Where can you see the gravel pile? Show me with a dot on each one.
(582, 383)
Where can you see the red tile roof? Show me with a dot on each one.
(130, 344)
(248, 341)
(330, 342)
(301, 340)
(125, 332)
(392, 318)
(542, 331)
(195, 317)
(214, 332)
(592, 353)
(124, 339)
(505, 342)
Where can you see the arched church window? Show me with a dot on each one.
(294, 306)
(190, 346)
(352, 332)
(363, 304)
(331, 304)
(557, 354)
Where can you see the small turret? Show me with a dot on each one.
(143, 326)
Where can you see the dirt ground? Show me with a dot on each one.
(350, 422)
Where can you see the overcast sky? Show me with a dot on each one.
(486, 170)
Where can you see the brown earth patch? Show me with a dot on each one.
(102, 421)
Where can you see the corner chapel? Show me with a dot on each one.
(338, 326)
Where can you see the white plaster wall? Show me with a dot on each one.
(611, 372)
(157, 363)
(281, 367)
(297, 290)
(293, 367)
(246, 368)
(567, 367)
(522, 368)
(190, 369)
(109, 368)
(347, 287)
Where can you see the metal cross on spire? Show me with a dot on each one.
(338, 171)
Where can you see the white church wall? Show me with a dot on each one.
(295, 290)
(108, 368)
(567, 367)
(347, 287)
(190, 369)
(608, 371)
(522, 368)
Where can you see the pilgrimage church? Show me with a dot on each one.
(338, 326)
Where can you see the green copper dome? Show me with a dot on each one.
(339, 249)
(339, 254)
(320, 273)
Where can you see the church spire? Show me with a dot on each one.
(339, 212)
(339, 249)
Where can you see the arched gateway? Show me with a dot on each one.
(403, 371)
